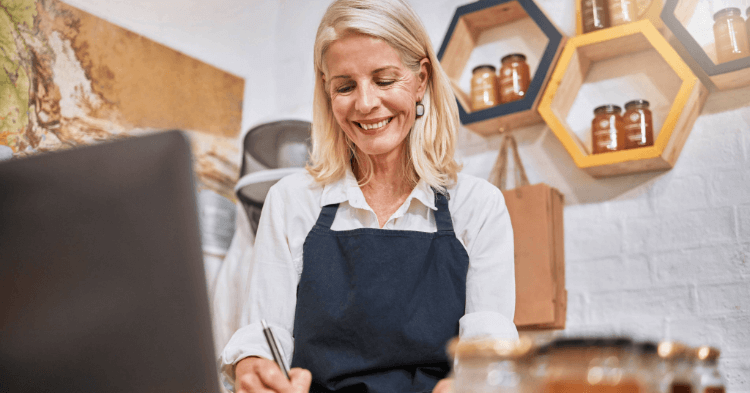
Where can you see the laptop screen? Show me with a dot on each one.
(102, 283)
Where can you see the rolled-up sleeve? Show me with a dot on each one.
(271, 293)
(490, 282)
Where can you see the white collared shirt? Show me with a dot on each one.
(292, 206)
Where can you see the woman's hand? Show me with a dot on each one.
(256, 374)
(444, 386)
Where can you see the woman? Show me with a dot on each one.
(382, 251)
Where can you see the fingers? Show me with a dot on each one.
(444, 386)
(262, 375)
(300, 379)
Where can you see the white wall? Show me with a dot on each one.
(656, 255)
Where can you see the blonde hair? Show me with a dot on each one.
(430, 147)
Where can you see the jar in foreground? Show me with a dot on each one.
(606, 135)
(514, 77)
(590, 365)
(677, 377)
(706, 375)
(730, 35)
(594, 15)
(484, 90)
(489, 366)
(637, 125)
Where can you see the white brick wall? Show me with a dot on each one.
(655, 255)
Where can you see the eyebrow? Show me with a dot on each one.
(378, 70)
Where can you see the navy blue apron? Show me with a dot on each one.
(376, 307)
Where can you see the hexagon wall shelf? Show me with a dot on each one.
(474, 27)
(647, 9)
(702, 58)
(629, 50)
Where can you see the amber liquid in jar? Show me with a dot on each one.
(606, 129)
(514, 78)
(583, 386)
(594, 15)
(637, 125)
(484, 91)
(730, 34)
(622, 11)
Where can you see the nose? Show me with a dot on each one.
(367, 99)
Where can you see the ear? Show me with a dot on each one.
(424, 74)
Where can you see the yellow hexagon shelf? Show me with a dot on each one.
(613, 66)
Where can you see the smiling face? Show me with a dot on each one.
(373, 95)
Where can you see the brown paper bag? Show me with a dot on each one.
(536, 213)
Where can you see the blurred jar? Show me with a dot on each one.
(622, 11)
(706, 376)
(730, 35)
(590, 365)
(649, 367)
(489, 366)
(514, 77)
(594, 15)
(677, 377)
(484, 90)
(637, 125)
(606, 129)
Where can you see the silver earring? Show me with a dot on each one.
(420, 109)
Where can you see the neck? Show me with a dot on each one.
(386, 174)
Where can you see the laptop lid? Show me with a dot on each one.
(102, 285)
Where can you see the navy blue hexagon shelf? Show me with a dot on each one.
(676, 15)
(482, 33)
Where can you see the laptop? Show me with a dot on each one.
(102, 285)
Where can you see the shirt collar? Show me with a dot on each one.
(346, 189)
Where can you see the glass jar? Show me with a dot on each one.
(706, 377)
(606, 135)
(730, 35)
(648, 367)
(590, 365)
(485, 366)
(594, 15)
(484, 91)
(637, 125)
(622, 11)
(514, 77)
(677, 377)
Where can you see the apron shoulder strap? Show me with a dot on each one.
(327, 214)
(442, 215)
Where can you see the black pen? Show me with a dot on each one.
(276, 351)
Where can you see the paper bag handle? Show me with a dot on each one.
(499, 173)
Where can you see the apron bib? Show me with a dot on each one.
(376, 308)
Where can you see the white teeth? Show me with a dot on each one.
(374, 126)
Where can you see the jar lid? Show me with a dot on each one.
(647, 347)
(672, 350)
(636, 102)
(727, 12)
(608, 108)
(479, 67)
(707, 353)
(520, 55)
(489, 349)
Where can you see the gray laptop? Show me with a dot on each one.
(102, 284)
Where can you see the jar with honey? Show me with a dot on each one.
(484, 90)
(606, 134)
(678, 374)
(706, 376)
(594, 15)
(622, 11)
(514, 77)
(637, 125)
(730, 34)
(592, 365)
(488, 365)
